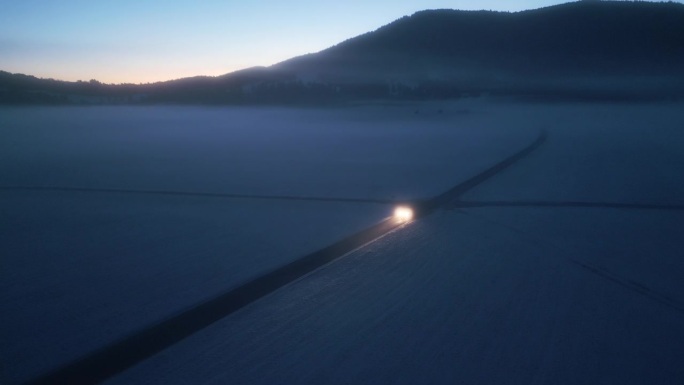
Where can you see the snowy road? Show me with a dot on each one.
(516, 295)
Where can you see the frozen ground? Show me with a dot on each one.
(455, 298)
(364, 152)
(523, 290)
(516, 295)
(81, 269)
(620, 154)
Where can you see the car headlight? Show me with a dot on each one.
(403, 213)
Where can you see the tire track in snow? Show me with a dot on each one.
(563, 204)
(600, 272)
(453, 194)
(112, 359)
(632, 285)
(194, 194)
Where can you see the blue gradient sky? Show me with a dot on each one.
(151, 40)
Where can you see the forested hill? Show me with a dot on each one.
(608, 50)
(581, 38)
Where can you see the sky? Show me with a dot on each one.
(141, 41)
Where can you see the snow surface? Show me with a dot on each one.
(476, 296)
(391, 152)
(489, 295)
(81, 269)
(455, 298)
(605, 153)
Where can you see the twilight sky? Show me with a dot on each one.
(138, 41)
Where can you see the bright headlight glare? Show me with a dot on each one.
(403, 213)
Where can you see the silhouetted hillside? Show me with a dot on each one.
(596, 46)
(582, 50)
(575, 38)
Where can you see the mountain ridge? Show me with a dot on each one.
(584, 49)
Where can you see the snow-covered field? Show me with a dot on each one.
(604, 153)
(365, 152)
(455, 298)
(477, 295)
(83, 268)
